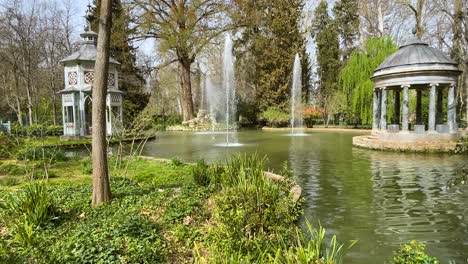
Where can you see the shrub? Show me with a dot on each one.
(276, 118)
(201, 174)
(311, 115)
(176, 162)
(54, 131)
(33, 203)
(86, 165)
(39, 153)
(413, 253)
(251, 211)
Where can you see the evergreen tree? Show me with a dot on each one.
(347, 21)
(131, 80)
(355, 76)
(325, 34)
(270, 39)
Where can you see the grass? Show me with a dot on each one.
(158, 214)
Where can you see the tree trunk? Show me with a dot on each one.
(185, 82)
(101, 186)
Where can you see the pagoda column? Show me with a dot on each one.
(383, 110)
(452, 109)
(405, 117)
(375, 110)
(432, 107)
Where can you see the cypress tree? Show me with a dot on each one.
(325, 34)
(270, 39)
(347, 21)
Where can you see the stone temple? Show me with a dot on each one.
(427, 71)
(430, 76)
(79, 77)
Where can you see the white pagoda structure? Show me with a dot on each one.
(77, 95)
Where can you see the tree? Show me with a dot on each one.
(101, 186)
(347, 20)
(325, 34)
(131, 81)
(418, 15)
(270, 38)
(184, 28)
(355, 77)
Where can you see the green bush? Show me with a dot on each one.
(413, 253)
(39, 153)
(11, 169)
(251, 211)
(33, 204)
(86, 165)
(54, 130)
(201, 174)
(276, 118)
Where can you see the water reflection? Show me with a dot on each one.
(382, 199)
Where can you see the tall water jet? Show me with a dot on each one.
(230, 91)
(297, 119)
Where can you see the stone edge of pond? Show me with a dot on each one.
(296, 190)
(451, 147)
(319, 129)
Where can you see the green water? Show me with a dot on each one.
(381, 199)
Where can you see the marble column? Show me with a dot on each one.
(418, 107)
(396, 107)
(383, 110)
(405, 116)
(452, 109)
(375, 110)
(432, 107)
(440, 107)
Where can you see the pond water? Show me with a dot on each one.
(381, 199)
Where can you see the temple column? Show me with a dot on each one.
(452, 109)
(440, 107)
(405, 117)
(396, 107)
(82, 115)
(383, 110)
(375, 110)
(418, 107)
(432, 107)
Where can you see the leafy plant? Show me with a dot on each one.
(275, 117)
(413, 253)
(176, 162)
(251, 211)
(86, 165)
(201, 174)
(33, 203)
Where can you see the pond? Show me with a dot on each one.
(381, 199)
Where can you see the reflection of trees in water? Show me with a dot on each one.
(413, 203)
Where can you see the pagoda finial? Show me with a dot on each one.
(88, 16)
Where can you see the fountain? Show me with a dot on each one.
(297, 120)
(230, 96)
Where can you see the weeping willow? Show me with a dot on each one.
(355, 77)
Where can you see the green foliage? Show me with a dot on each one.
(355, 76)
(36, 130)
(413, 253)
(251, 211)
(33, 204)
(346, 14)
(201, 174)
(266, 49)
(275, 117)
(86, 165)
(310, 247)
(39, 153)
(11, 169)
(176, 162)
(325, 34)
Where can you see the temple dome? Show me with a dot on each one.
(415, 55)
(86, 52)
